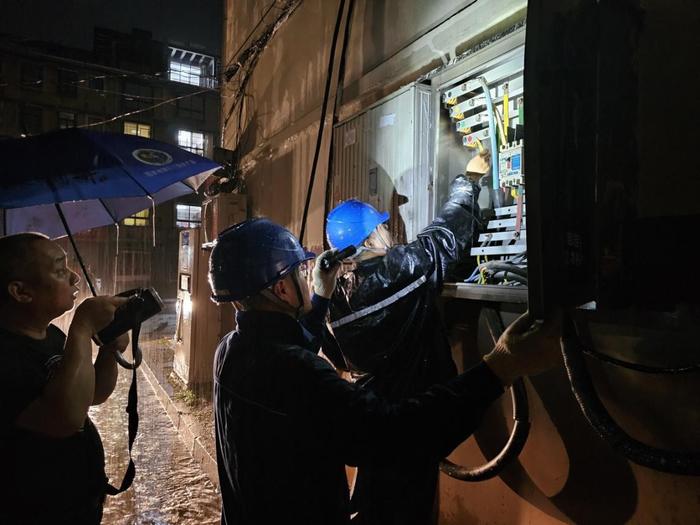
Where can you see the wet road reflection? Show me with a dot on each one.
(169, 487)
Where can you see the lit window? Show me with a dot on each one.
(191, 141)
(66, 119)
(185, 73)
(191, 67)
(138, 219)
(136, 128)
(188, 216)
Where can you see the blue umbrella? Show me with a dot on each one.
(72, 180)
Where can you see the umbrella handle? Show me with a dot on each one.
(75, 249)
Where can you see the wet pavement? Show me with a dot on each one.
(169, 487)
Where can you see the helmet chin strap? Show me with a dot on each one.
(367, 252)
(297, 311)
(364, 252)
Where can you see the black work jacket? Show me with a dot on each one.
(286, 424)
(384, 313)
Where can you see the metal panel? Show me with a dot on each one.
(384, 157)
(350, 160)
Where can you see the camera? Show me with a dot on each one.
(142, 304)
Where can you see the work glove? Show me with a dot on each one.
(324, 280)
(525, 348)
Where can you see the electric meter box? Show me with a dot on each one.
(200, 323)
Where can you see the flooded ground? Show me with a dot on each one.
(169, 487)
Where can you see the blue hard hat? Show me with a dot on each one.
(351, 222)
(251, 256)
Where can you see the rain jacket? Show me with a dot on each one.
(384, 314)
(386, 321)
(286, 424)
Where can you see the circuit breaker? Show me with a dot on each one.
(511, 161)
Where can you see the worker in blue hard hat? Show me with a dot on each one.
(352, 222)
(287, 423)
(388, 326)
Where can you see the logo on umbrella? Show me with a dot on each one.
(153, 157)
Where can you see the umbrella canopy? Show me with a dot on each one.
(97, 178)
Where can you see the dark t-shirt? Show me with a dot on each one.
(44, 479)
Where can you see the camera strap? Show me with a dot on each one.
(132, 410)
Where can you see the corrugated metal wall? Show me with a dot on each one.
(384, 157)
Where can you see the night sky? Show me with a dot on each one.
(189, 23)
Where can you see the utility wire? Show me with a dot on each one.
(137, 111)
(252, 32)
(322, 122)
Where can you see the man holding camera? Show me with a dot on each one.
(53, 456)
(287, 423)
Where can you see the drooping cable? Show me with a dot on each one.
(521, 424)
(137, 111)
(338, 99)
(322, 121)
(664, 460)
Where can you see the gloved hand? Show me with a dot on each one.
(324, 280)
(463, 191)
(525, 349)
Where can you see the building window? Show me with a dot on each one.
(95, 123)
(97, 83)
(187, 216)
(136, 96)
(191, 141)
(185, 73)
(141, 218)
(190, 67)
(32, 75)
(191, 107)
(3, 82)
(30, 120)
(67, 83)
(136, 128)
(66, 119)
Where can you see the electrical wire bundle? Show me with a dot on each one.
(509, 272)
(244, 62)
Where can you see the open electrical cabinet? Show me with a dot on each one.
(579, 186)
(481, 121)
(402, 153)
